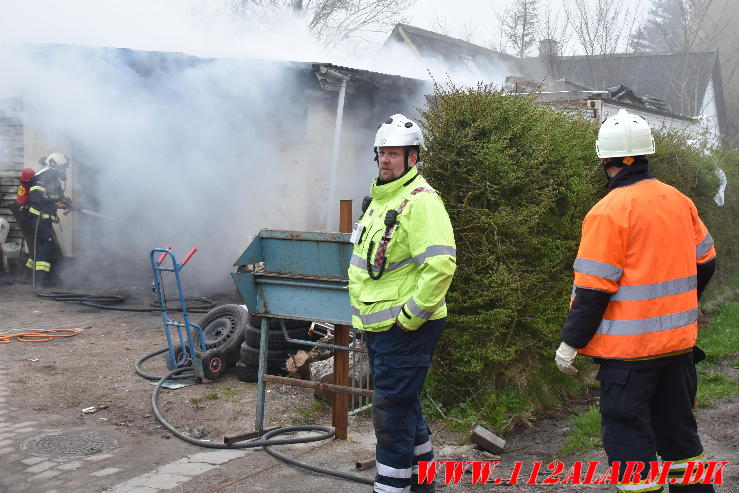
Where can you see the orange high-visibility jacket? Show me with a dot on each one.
(642, 243)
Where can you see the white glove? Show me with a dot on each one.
(564, 357)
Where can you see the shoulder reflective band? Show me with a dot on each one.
(597, 269)
(647, 325)
(656, 290)
(701, 248)
(37, 187)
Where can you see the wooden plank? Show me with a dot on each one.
(340, 417)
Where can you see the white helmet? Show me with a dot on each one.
(399, 131)
(56, 159)
(623, 135)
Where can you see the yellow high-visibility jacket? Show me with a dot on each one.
(420, 258)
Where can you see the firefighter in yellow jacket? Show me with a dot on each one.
(402, 264)
(644, 258)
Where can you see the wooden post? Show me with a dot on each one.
(340, 417)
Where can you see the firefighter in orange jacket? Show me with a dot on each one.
(644, 258)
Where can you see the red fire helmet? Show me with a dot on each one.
(27, 174)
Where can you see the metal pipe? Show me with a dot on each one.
(317, 385)
(263, 341)
(331, 217)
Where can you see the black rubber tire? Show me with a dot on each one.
(274, 323)
(253, 336)
(247, 373)
(224, 327)
(214, 365)
(178, 354)
(275, 359)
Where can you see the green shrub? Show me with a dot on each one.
(517, 179)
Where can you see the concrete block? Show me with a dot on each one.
(487, 440)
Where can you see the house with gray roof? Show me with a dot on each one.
(682, 91)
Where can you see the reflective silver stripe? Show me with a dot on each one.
(377, 317)
(417, 310)
(424, 448)
(703, 247)
(656, 290)
(683, 464)
(392, 472)
(647, 325)
(383, 488)
(598, 269)
(360, 262)
(435, 250)
(653, 486)
(431, 251)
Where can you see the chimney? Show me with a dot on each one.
(549, 56)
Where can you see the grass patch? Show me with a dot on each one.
(309, 414)
(585, 434)
(713, 386)
(721, 339)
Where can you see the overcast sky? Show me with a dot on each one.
(480, 16)
(199, 27)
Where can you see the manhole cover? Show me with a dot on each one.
(69, 444)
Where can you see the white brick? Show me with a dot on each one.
(98, 457)
(40, 467)
(218, 457)
(44, 475)
(69, 466)
(33, 460)
(105, 472)
(185, 469)
(165, 481)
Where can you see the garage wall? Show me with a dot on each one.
(11, 159)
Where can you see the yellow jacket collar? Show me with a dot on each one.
(389, 190)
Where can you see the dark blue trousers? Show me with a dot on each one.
(400, 361)
(648, 412)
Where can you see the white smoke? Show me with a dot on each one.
(180, 150)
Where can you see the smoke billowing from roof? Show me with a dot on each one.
(176, 149)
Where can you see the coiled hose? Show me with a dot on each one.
(267, 440)
(107, 302)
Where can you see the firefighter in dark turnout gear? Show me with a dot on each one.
(402, 264)
(644, 258)
(46, 196)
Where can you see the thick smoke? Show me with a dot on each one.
(178, 150)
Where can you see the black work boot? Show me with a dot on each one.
(423, 487)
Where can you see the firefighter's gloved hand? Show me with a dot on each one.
(564, 357)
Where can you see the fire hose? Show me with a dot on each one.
(267, 441)
(104, 302)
